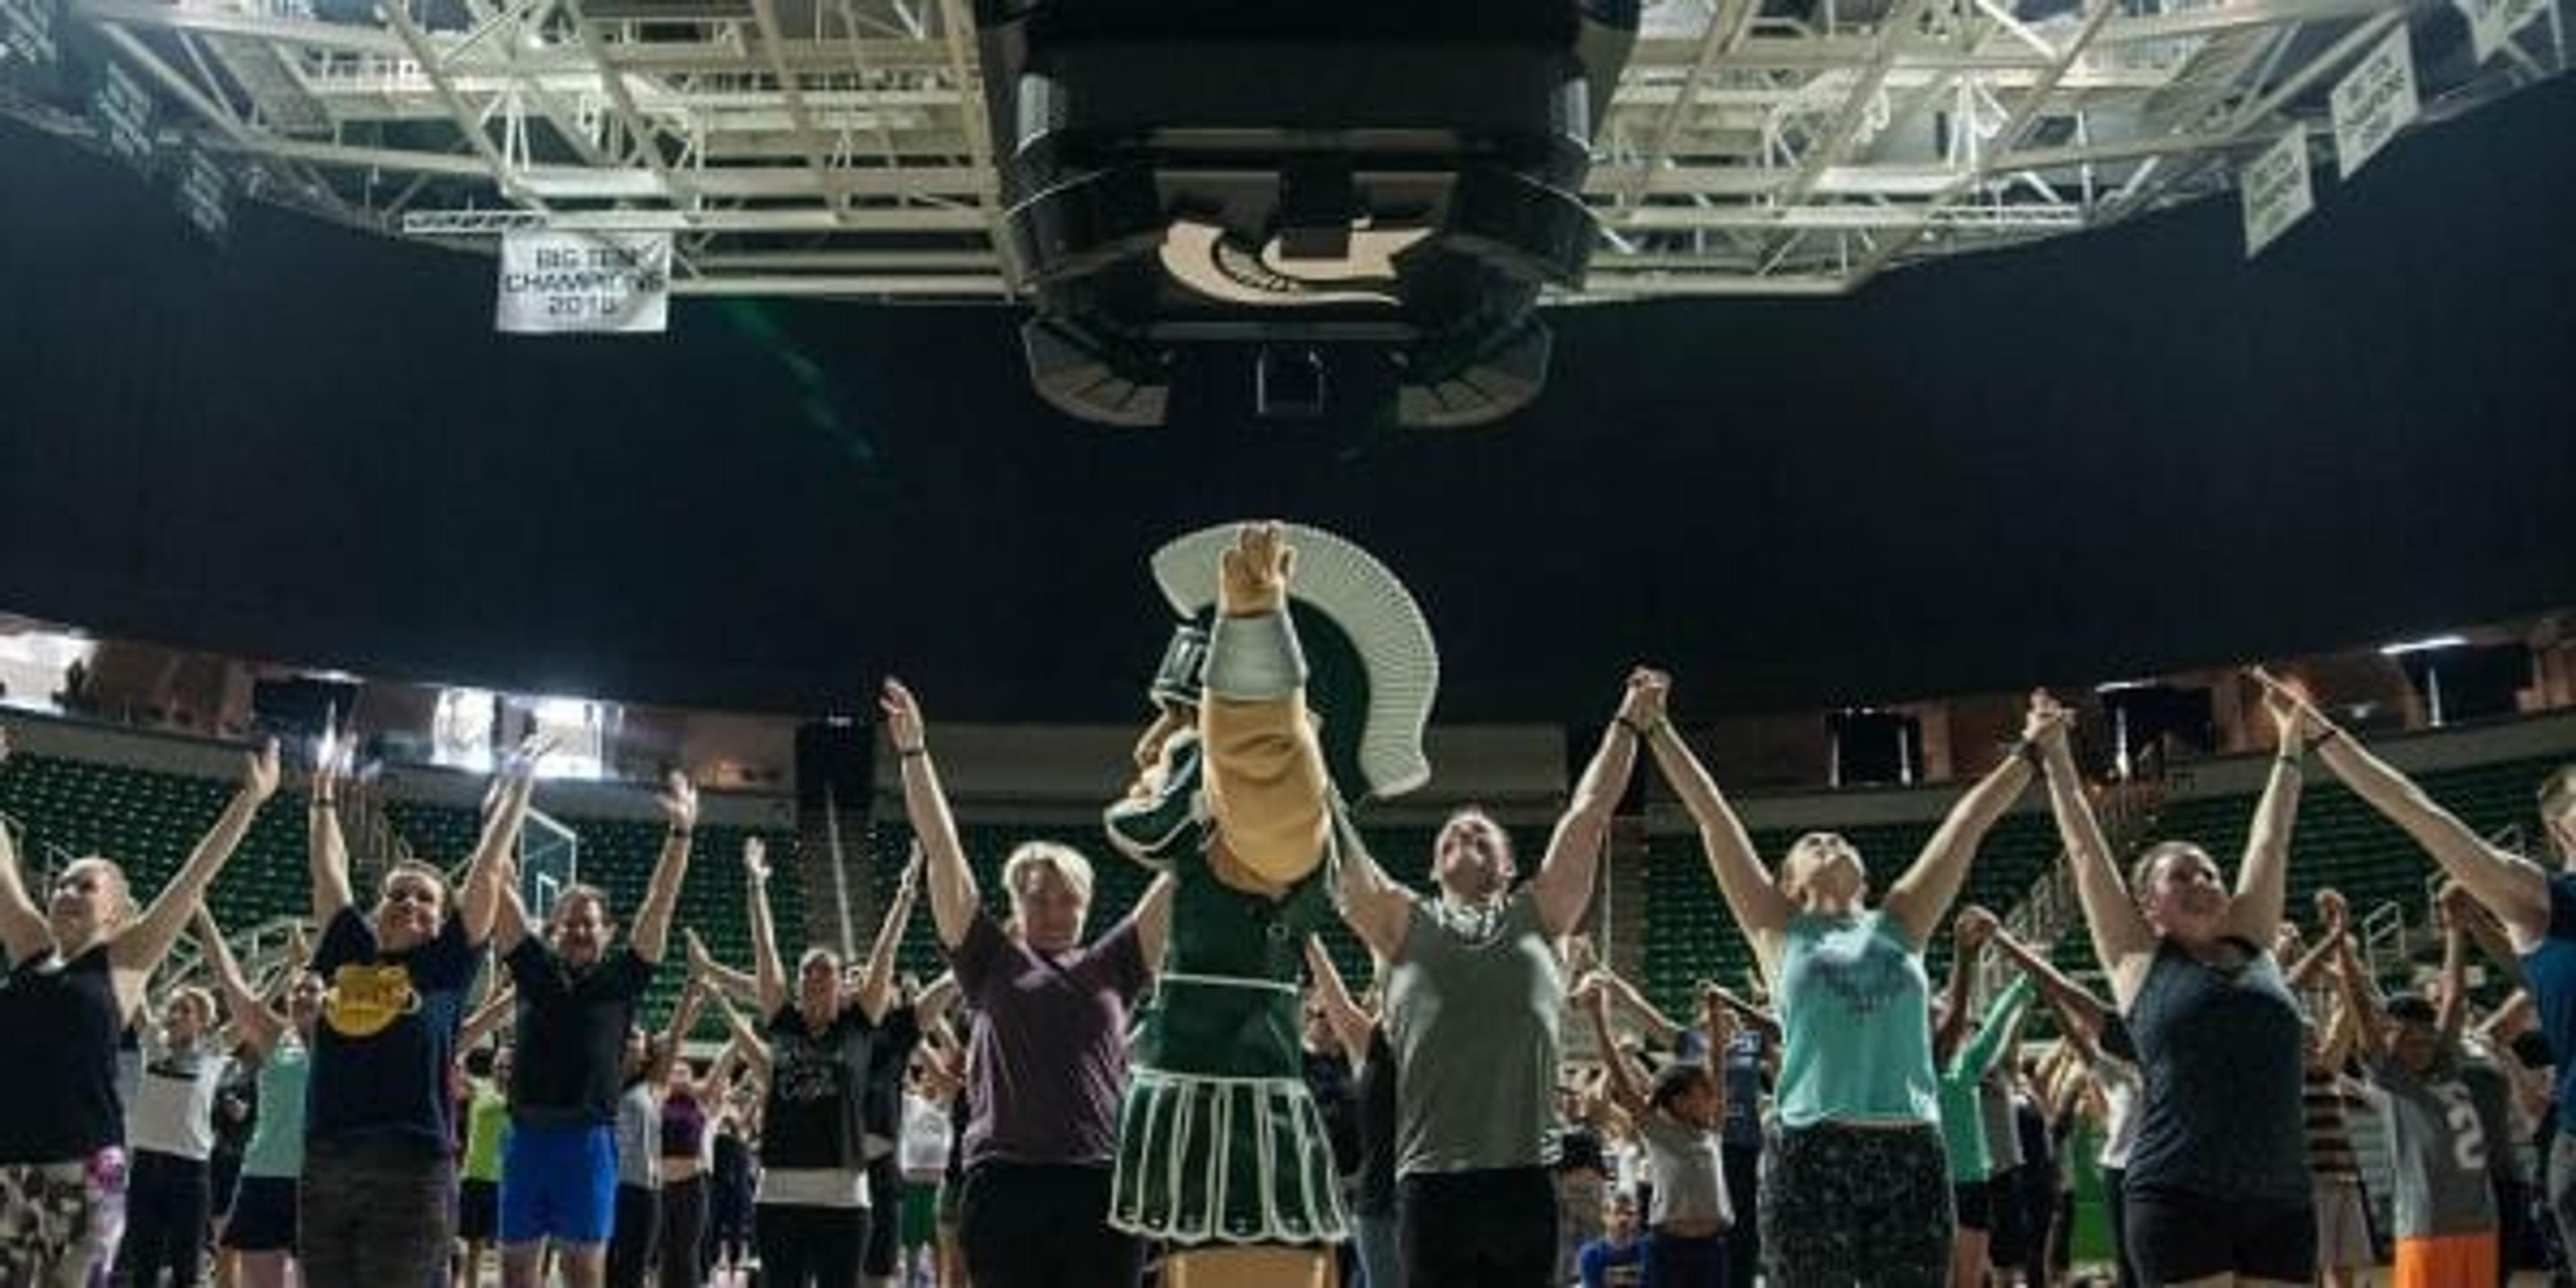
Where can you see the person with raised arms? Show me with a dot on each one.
(379, 1183)
(77, 973)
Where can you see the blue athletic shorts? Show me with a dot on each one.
(558, 1183)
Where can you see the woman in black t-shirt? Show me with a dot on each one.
(2217, 1187)
(77, 974)
(813, 1054)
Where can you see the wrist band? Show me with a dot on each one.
(2027, 752)
(326, 804)
(917, 749)
(1640, 732)
(2331, 733)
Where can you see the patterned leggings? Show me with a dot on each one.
(61, 1222)
(1856, 1205)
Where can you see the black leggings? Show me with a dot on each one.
(630, 1249)
(1686, 1263)
(1744, 1198)
(885, 1197)
(2115, 1205)
(1038, 1225)
(684, 1232)
(1482, 1229)
(809, 1246)
(2176, 1237)
(167, 1200)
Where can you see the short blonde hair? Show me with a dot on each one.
(203, 1001)
(1066, 862)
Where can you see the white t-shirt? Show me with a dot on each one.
(2119, 1080)
(926, 1132)
(173, 1109)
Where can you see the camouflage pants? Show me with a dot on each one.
(60, 1222)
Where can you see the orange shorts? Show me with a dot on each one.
(2451, 1261)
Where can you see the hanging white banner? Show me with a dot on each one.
(2493, 22)
(2276, 189)
(2374, 101)
(572, 282)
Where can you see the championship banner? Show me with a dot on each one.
(2492, 23)
(2374, 101)
(205, 195)
(2277, 190)
(123, 110)
(558, 282)
(27, 32)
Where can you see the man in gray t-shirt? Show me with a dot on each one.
(2436, 1140)
(1474, 996)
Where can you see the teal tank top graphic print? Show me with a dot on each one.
(1858, 1045)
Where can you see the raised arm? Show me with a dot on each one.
(496, 853)
(764, 937)
(1350, 1022)
(2122, 941)
(1746, 1013)
(1625, 1084)
(935, 999)
(1997, 1028)
(2065, 995)
(139, 948)
(1266, 782)
(256, 1025)
(1751, 895)
(496, 1010)
(1377, 908)
(653, 920)
(684, 1017)
(1153, 914)
(2457, 908)
(876, 983)
(740, 985)
(24, 934)
(1922, 896)
(1968, 937)
(2360, 999)
(755, 1053)
(953, 896)
(2263, 882)
(2319, 956)
(2514, 888)
(2490, 938)
(1718, 1018)
(1563, 885)
(326, 849)
(1625, 995)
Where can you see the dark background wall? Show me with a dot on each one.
(2111, 454)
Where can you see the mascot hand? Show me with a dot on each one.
(1255, 572)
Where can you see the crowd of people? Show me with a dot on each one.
(1063, 1108)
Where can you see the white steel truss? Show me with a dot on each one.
(838, 148)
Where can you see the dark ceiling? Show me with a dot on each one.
(2107, 455)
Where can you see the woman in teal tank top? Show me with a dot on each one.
(1856, 1187)
(261, 1229)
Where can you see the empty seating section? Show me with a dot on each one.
(148, 822)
